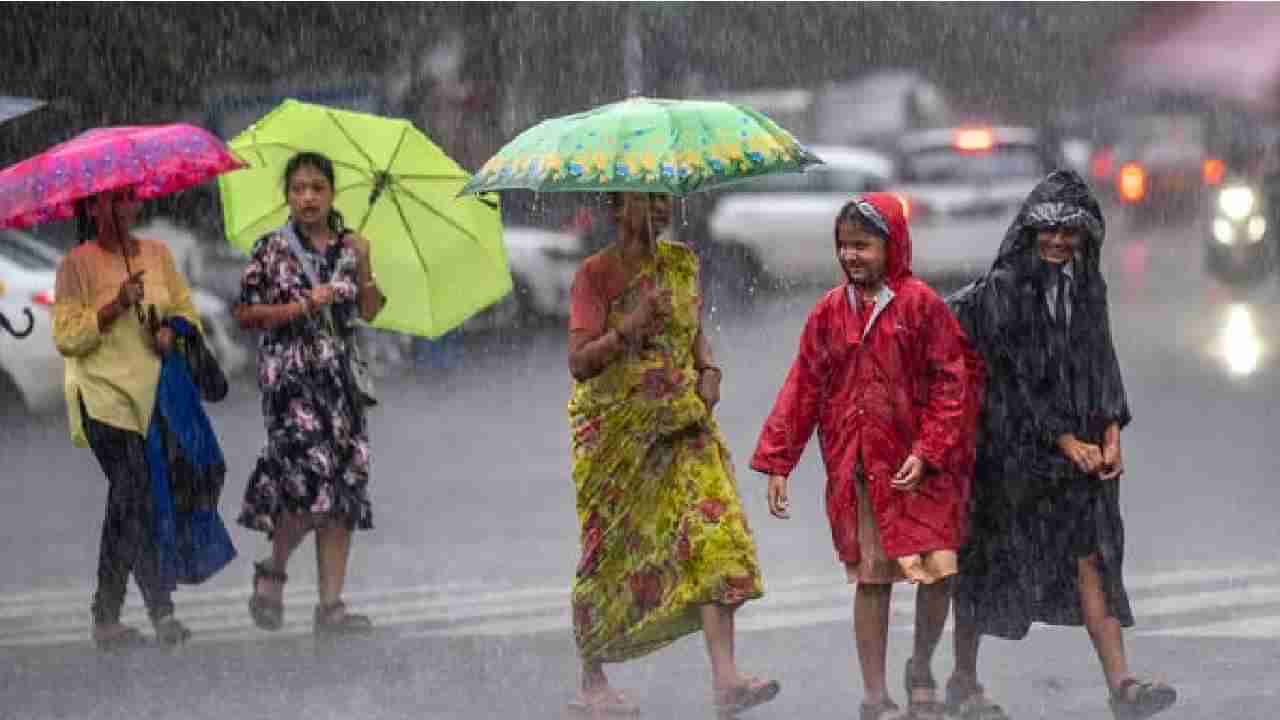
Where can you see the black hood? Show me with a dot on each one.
(1062, 199)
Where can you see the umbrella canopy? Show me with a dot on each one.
(153, 160)
(644, 145)
(439, 259)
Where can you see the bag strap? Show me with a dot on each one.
(308, 268)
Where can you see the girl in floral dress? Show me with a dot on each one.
(666, 549)
(313, 472)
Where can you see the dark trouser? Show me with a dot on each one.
(126, 531)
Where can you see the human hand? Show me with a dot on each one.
(164, 338)
(1086, 456)
(1112, 463)
(323, 295)
(131, 292)
(359, 243)
(778, 501)
(644, 321)
(909, 475)
(709, 386)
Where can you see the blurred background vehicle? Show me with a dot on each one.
(777, 229)
(963, 186)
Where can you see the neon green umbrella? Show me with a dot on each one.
(644, 145)
(439, 259)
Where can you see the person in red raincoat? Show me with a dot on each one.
(885, 374)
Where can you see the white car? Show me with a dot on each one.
(32, 365)
(543, 263)
(780, 226)
(963, 187)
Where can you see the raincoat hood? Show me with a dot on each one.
(1062, 199)
(884, 213)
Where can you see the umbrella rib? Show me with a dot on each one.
(404, 131)
(413, 242)
(472, 236)
(372, 166)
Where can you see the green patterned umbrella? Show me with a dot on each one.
(644, 145)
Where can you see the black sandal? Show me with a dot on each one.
(879, 711)
(267, 613)
(968, 701)
(1147, 699)
(921, 709)
(170, 632)
(127, 639)
(334, 621)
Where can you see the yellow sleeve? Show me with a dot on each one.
(75, 319)
(180, 292)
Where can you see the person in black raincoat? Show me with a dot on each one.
(1046, 541)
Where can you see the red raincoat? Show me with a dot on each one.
(912, 385)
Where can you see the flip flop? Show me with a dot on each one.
(755, 691)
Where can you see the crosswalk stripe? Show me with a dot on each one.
(456, 609)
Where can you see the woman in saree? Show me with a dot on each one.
(666, 548)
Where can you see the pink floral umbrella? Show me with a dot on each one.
(153, 160)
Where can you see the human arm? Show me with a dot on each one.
(369, 297)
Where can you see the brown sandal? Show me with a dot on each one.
(967, 700)
(126, 639)
(922, 696)
(878, 711)
(755, 691)
(267, 613)
(608, 703)
(334, 621)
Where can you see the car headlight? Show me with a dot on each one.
(1223, 231)
(1236, 202)
(1257, 228)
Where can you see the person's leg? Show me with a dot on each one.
(289, 532)
(333, 549)
(124, 528)
(933, 602)
(718, 630)
(1104, 629)
(871, 637)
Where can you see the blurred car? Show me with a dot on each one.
(779, 227)
(543, 263)
(1240, 237)
(963, 186)
(29, 269)
(30, 367)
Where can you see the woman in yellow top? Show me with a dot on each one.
(666, 550)
(113, 362)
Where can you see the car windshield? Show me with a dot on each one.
(946, 164)
(13, 249)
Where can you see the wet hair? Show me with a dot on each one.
(86, 226)
(323, 165)
(851, 215)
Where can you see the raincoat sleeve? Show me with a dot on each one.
(947, 420)
(795, 412)
(75, 319)
(180, 293)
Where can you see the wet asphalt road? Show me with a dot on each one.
(468, 569)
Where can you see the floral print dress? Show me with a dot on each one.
(316, 458)
(662, 527)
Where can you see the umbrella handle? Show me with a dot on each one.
(128, 268)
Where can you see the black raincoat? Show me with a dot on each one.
(1033, 513)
